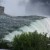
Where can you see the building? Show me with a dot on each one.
(1, 10)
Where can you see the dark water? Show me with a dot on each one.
(9, 23)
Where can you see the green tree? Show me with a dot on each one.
(30, 41)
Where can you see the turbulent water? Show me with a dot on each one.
(41, 26)
(11, 26)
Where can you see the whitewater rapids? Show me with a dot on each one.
(41, 26)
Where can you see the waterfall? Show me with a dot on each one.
(41, 26)
(27, 8)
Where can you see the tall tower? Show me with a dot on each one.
(1, 8)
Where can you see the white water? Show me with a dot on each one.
(41, 26)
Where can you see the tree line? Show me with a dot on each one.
(28, 41)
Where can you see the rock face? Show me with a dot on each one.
(1, 10)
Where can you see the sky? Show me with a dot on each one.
(26, 7)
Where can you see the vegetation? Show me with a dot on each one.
(30, 41)
(27, 41)
(3, 44)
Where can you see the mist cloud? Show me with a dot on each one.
(38, 8)
(15, 7)
(27, 7)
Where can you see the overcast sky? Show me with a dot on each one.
(27, 7)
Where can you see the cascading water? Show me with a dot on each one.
(24, 8)
(41, 26)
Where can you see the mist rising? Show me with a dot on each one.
(27, 7)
